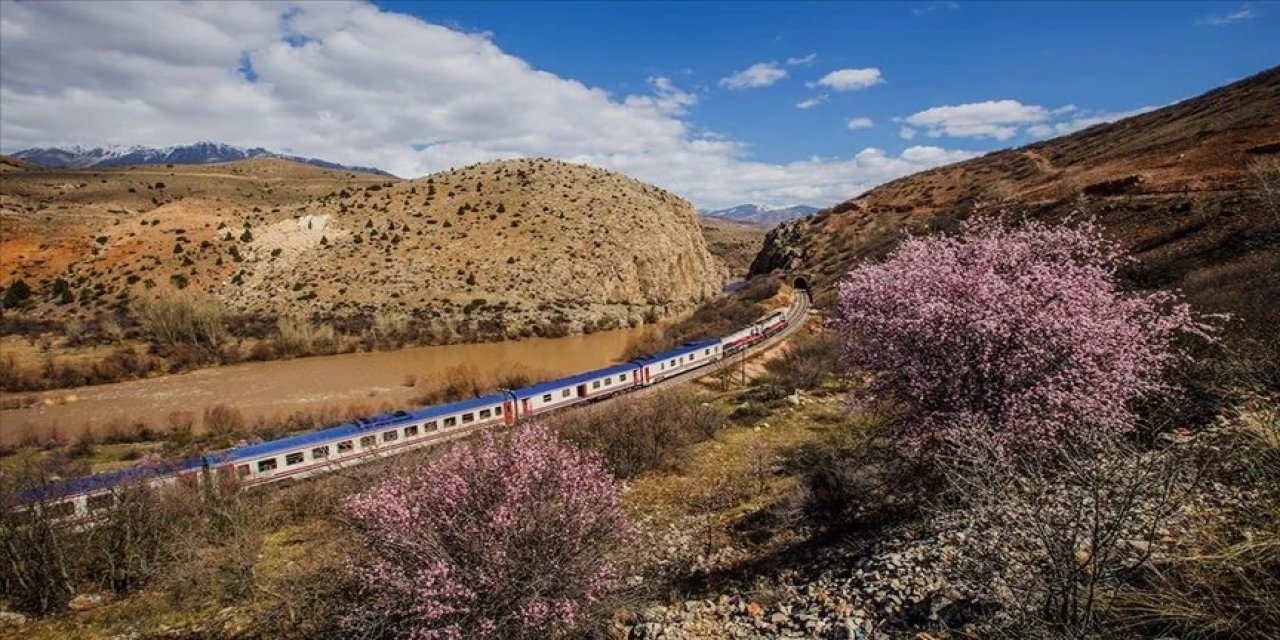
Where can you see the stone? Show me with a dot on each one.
(86, 601)
(11, 620)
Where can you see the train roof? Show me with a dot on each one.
(559, 383)
(100, 481)
(360, 426)
(678, 351)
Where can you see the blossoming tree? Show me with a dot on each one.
(1020, 335)
(503, 538)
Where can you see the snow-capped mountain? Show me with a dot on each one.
(78, 157)
(759, 214)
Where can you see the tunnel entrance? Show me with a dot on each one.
(801, 283)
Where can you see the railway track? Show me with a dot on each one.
(795, 319)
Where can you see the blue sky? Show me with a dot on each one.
(701, 98)
(1103, 56)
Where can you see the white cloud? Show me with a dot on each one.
(928, 7)
(860, 123)
(907, 133)
(1051, 130)
(810, 103)
(761, 74)
(802, 60)
(667, 98)
(1245, 12)
(351, 83)
(850, 79)
(997, 119)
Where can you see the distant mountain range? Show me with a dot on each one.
(77, 157)
(759, 214)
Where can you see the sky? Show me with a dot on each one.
(721, 103)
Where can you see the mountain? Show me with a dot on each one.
(733, 243)
(491, 250)
(760, 214)
(77, 157)
(1189, 189)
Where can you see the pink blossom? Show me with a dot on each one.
(1018, 334)
(502, 538)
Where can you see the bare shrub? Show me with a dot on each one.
(1222, 582)
(134, 541)
(390, 328)
(37, 559)
(299, 337)
(639, 434)
(807, 361)
(1058, 540)
(858, 475)
(222, 421)
(182, 319)
(1266, 177)
(43, 561)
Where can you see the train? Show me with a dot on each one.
(352, 443)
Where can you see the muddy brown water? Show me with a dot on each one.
(278, 388)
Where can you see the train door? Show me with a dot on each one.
(646, 374)
(524, 407)
(582, 391)
(508, 415)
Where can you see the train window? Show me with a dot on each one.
(608, 381)
(346, 446)
(673, 363)
(450, 421)
(431, 426)
(546, 397)
(706, 352)
(61, 509)
(485, 413)
(410, 432)
(565, 393)
(101, 501)
(468, 417)
(388, 436)
(293, 458)
(622, 377)
(595, 384)
(497, 411)
(266, 465)
(242, 470)
(320, 453)
(368, 441)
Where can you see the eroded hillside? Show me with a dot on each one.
(1189, 189)
(733, 242)
(495, 249)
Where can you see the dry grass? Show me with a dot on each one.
(1224, 582)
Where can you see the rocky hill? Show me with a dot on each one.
(732, 242)
(500, 248)
(77, 157)
(1190, 189)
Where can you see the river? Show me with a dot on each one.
(278, 388)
